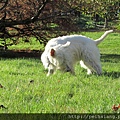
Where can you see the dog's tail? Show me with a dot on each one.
(99, 40)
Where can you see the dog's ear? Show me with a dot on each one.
(52, 52)
(66, 44)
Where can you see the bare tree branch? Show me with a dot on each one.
(41, 18)
(26, 21)
(40, 9)
(5, 2)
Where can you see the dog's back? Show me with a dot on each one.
(75, 38)
(71, 38)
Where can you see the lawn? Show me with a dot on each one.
(26, 89)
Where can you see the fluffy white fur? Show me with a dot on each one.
(63, 52)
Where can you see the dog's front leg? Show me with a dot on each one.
(70, 69)
(51, 70)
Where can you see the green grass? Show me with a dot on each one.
(62, 93)
(33, 44)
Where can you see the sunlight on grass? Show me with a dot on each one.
(26, 89)
(33, 44)
(62, 93)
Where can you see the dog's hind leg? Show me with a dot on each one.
(70, 68)
(89, 71)
(92, 64)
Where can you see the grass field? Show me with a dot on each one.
(26, 89)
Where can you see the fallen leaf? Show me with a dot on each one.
(2, 106)
(58, 80)
(119, 106)
(1, 86)
(115, 108)
(31, 81)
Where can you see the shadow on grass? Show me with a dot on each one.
(20, 54)
(113, 74)
(113, 58)
(37, 54)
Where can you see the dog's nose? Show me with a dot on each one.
(68, 69)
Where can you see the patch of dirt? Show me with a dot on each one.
(21, 54)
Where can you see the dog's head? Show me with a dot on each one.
(56, 56)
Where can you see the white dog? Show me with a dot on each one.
(63, 52)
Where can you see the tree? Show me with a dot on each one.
(34, 18)
(45, 19)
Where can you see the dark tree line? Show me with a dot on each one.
(44, 19)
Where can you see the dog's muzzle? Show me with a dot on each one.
(68, 69)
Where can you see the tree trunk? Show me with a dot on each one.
(106, 22)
